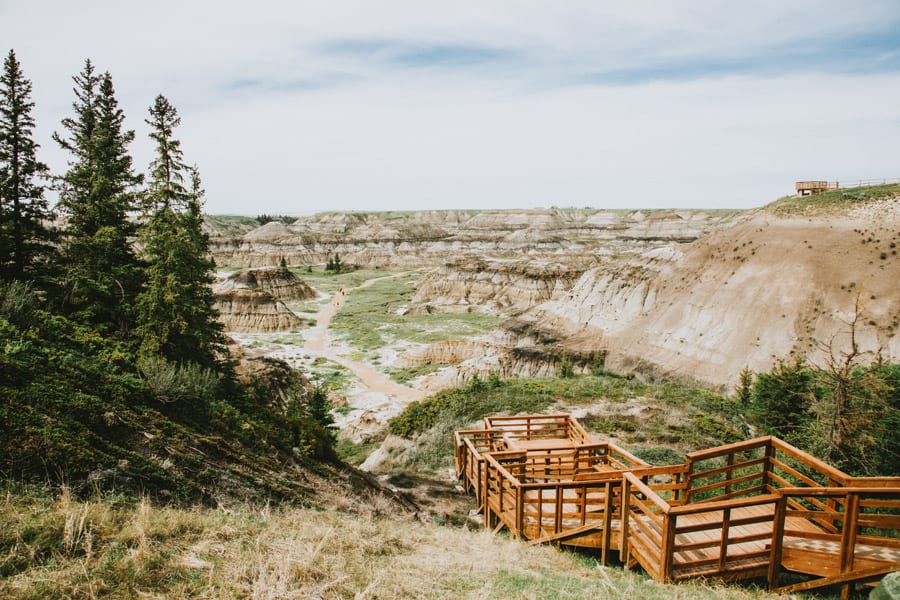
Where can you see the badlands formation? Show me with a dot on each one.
(691, 294)
(253, 300)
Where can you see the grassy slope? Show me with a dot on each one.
(832, 200)
(54, 547)
(658, 421)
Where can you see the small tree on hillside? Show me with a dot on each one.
(745, 387)
(782, 399)
(854, 402)
(24, 239)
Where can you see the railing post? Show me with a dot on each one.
(520, 510)
(768, 466)
(624, 510)
(723, 542)
(777, 541)
(485, 496)
(688, 471)
(848, 539)
(607, 523)
(558, 506)
(667, 559)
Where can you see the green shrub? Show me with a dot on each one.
(658, 455)
(565, 369)
(173, 382)
(781, 399)
(598, 363)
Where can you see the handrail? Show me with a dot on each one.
(691, 509)
(822, 467)
(665, 507)
(699, 455)
(838, 491)
(499, 467)
(649, 471)
(626, 454)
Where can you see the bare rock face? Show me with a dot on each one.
(243, 310)
(445, 352)
(277, 281)
(769, 287)
(253, 300)
(492, 286)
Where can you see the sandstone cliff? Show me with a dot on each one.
(253, 300)
(279, 282)
(243, 310)
(769, 287)
(492, 286)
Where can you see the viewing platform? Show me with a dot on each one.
(808, 188)
(753, 509)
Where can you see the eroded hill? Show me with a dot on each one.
(692, 294)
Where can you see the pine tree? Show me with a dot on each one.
(24, 238)
(176, 312)
(97, 193)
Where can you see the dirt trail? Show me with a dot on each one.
(378, 397)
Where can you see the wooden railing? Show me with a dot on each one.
(742, 510)
(722, 539)
(471, 445)
(533, 427)
(758, 466)
(861, 543)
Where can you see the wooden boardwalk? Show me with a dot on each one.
(754, 509)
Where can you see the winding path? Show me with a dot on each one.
(381, 397)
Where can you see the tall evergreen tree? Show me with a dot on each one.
(176, 312)
(97, 193)
(24, 237)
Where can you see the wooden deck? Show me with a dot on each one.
(748, 510)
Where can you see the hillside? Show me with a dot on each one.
(106, 548)
(779, 282)
(77, 409)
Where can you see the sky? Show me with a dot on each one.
(300, 107)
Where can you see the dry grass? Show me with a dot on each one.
(108, 548)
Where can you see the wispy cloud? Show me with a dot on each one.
(874, 52)
(253, 85)
(406, 53)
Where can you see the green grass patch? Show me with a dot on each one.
(230, 225)
(306, 307)
(356, 454)
(406, 374)
(680, 418)
(329, 374)
(327, 282)
(369, 319)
